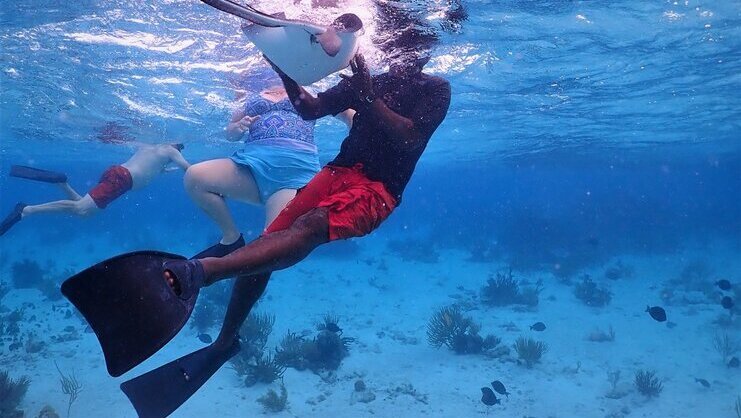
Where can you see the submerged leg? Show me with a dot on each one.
(84, 206)
(210, 182)
(245, 293)
(274, 251)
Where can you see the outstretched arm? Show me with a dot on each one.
(177, 158)
(331, 102)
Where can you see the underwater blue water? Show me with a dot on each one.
(580, 133)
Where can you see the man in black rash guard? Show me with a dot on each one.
(397, 113)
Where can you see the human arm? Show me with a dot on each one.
(430, 109)
(177, 158)
(330, 102)
(238, 125)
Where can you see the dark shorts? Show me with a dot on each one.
(356, 204)
(113, 183)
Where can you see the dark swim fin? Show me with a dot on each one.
(129, 306)
(158, 393)
(13, 218)
(37, 174)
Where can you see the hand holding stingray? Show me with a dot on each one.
(305, 51)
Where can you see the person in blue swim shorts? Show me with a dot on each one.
(279, 157)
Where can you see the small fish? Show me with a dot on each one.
(734, 363)
(703, 382)
(670, 324)
(499, 388)
(538, 326)
(488, 397)
(723, 284)
(205, 338)
(727, 302)
(657, 313)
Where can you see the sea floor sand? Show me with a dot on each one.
(384, 303)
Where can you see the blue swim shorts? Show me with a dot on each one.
(277, 167)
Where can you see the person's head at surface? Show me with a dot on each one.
(408, 65)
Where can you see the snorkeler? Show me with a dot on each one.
(397, 113)
(147, 162)
(279, 156)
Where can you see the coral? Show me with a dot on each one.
(11, 395)
(47, 412)
(70, 387)
(504, 290)
(256, 329)
(27, 274)
(326, 351)
(725, 345)
(450, 328)
(591, 294)
(272, 402)
(613, 376)
(414, 250)
(530, 351)
(599, 336)
(264, 370)
(291, 352)
(647, 383)
(619, 271)
(329, 323)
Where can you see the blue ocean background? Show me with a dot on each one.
(580, 134)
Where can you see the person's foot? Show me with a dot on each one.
(12, 218)
(185, 277)
(220, 250)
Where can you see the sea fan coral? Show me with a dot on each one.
(291, 352)
(591, 294)
(11, 394)
(272, 402)
(647, 383)
(450, 328)
(530, 351)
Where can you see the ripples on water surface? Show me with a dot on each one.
(528, 76)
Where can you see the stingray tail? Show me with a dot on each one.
(246, 12)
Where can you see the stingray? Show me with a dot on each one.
(305, 51)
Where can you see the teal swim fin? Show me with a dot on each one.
(130, 306)
(158, 393)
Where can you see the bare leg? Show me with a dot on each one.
(274, 251)
(276, 203)
(83, 206)
(248, 289)
(210, 182)
(69, 191)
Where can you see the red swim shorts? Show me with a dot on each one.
(113, 183)
(356, 204)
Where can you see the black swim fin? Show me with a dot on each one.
(158, 393)
(131, 308)
(13, 218)
(37, 174)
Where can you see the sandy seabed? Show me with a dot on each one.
(385, 303)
